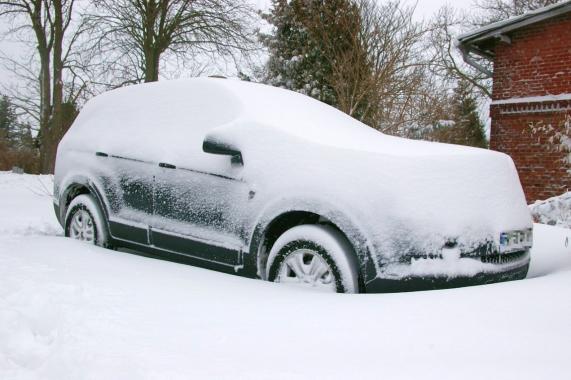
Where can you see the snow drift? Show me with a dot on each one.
(73, 311)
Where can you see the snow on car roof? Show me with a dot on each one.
(308, 118)
(193, 106)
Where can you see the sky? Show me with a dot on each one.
(424, 8)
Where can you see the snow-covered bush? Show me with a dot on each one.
(558, 137)
(554, 211)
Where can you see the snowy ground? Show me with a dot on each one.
(71, 311)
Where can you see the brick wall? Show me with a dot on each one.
(536, 63)
(526, 136)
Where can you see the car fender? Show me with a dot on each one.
(355, 233)
(67, 184)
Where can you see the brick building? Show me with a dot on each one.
(531, 96)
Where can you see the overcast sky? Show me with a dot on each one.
(424, 8)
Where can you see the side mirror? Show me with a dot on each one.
(214, 146)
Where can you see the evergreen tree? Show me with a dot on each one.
(456, 120)
(468, 126)
(7, 121)
(17, 144)
(359, 56)
(308, 37)
(15, 135)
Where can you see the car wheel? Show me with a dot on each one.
(314, 256)
(84, 221)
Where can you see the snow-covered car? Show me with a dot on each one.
(271, 184)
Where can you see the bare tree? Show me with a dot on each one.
(377, 69)
(446, 61)
(497, 10)
(136, 35)
(392, 42)
(55, 36)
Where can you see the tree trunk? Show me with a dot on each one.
(45, 76)
(152, 58)
(49, 20)
(45, 109)
(55, 124)
(151, 53)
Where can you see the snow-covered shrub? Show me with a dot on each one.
(555, 211)
(558, 137)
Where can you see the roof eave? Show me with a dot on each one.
(472, 42)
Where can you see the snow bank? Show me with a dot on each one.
(555, 211)
(26, 205)
(69, 311)
(551, 251)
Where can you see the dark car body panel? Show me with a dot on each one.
(184, 245)
(184, 249)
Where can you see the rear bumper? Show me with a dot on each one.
(415, 283)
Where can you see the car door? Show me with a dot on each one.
(128, 187)
(200, 209)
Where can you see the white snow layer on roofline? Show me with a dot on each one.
(533, 99)
(512, 20)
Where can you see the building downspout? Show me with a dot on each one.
(469, 60)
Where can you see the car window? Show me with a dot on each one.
(159, 123)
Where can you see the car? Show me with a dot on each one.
(271, 184)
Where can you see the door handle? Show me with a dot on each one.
(166, 166)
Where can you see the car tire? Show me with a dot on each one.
(84, 221)
(316, 256)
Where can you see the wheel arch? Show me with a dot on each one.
(78, 185)
(270, 227)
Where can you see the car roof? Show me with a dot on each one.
(213, 102)
(206, 103)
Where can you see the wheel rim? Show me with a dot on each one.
(82, 227)
(305, 267)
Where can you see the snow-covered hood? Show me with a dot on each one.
(419, 203)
